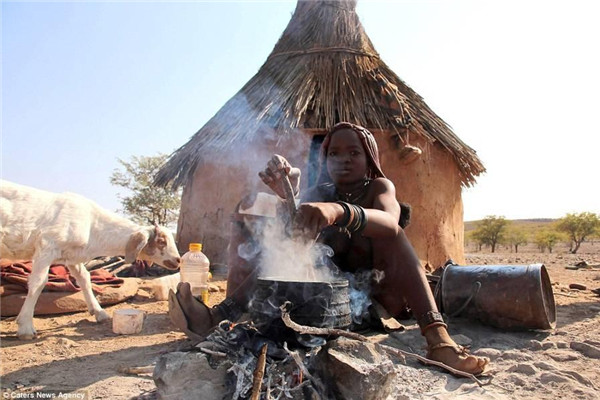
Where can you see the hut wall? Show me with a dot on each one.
(431, 185)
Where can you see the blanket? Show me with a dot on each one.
(15, 273)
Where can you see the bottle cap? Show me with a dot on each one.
(195, 247)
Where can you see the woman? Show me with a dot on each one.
(354, 210)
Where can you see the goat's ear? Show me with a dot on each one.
(134, 245)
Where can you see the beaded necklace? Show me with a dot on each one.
(355, 195)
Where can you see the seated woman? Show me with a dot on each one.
(354, 210)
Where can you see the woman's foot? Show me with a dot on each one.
(442, 348)
(191, 315)
(457, 357)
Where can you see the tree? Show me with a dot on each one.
(515, 237)
(578, 226)
(147, 204)
(546, 239)
(490, 230)
(473, 237)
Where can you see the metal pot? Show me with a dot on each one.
(320, 304)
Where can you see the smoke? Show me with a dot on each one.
(360, 294)
(293, 259)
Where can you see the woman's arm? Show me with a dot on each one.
(382, 218)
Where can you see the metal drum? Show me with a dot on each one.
(504, 296)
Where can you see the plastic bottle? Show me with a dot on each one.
(194, 270)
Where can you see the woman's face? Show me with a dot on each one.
(346, 158)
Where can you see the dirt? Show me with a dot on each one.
(73, 354)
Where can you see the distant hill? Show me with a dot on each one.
(528, 224)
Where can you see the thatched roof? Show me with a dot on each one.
(324, 69)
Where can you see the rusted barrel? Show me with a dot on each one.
(504, 296)
(320, 304)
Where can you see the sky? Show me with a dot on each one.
(87, 83)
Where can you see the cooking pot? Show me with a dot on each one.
(319, 304)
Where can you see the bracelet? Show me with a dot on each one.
(354, 219)
(362, 220)
(359, 221)
(347, 218)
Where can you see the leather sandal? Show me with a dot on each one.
(482, 362)
(180, 320)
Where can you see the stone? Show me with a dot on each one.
(535, 345)
(592, 342)
(562, 355)
(525, 368)
(488, 352)
(545, 366)
(188, 375)
(548, 377)
(577, 286)
(586, 349)
(358, 370)
(562, 345)
(548, 345)
(516, 355)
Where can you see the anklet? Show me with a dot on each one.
(429, 320)
(433, 325)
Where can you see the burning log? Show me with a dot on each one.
(310, 330)
(259, 373)
(296, 357)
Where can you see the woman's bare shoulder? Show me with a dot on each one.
(382, 185)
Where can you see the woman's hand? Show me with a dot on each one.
(277, 168)
(312, 218)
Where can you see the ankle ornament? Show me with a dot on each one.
(431, 319)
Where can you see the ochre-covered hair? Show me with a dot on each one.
(369, 145)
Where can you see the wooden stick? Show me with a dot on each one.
(212, 352)
(311, 330)
(148, 369)
(290, 201)
(298, 360)
(259, 373)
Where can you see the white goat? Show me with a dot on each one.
(70, 229)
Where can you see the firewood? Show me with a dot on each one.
(311, 330)
(259, 372)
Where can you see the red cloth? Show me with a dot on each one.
(14, 274)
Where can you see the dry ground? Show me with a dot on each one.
(75, 354)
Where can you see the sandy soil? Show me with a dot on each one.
(75, 354)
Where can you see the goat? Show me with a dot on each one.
(70, 229)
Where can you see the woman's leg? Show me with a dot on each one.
(404, 275)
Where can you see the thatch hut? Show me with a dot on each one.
(324, 69)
